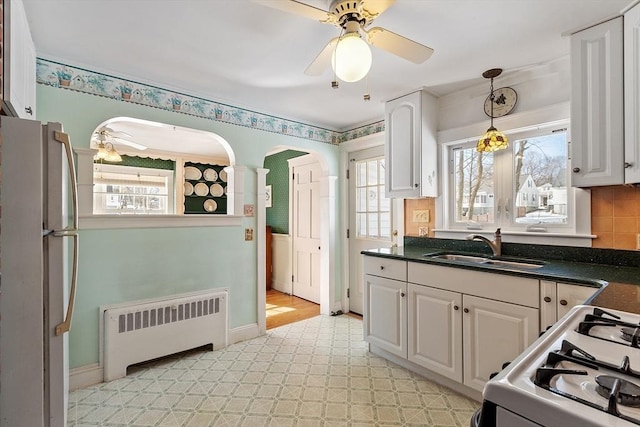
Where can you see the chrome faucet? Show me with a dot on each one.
(495, 245)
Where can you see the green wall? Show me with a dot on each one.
(123, 265)
(278, 178)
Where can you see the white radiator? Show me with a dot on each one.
(138, 332)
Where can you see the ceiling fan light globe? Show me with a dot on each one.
(102, 151)
(351, 59)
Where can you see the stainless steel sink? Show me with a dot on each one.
(463, 258)
(488, 261)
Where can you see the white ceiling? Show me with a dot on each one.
(247, 55)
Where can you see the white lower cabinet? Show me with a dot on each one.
(556, 299)
(385, 314)
(493, 333)
(464, 337)
(458, 323)
(435, 330)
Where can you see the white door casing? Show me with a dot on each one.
(306, 180)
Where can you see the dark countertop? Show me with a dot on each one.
(619, 284)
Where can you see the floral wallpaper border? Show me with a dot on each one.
(67, 77)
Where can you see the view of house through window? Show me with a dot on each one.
(373, 208)
(132, 190)
(524, 185)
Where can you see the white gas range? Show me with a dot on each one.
(583, 372)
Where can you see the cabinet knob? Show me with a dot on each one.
(29, 111)
(576, 170)
(416, 185)
(466, 310)
(382, 267)
(627, 165)
(455, 307)
(547, 299)
(563, 302)
(402, 294)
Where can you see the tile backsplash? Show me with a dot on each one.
(615, 217)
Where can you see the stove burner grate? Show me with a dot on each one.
(629, 332)
(626, 393)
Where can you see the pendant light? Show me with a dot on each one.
(493, 139)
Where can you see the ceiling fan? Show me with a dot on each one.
(353, 17)
(105, 135)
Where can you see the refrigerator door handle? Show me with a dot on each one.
(63, 138)
(66, 325)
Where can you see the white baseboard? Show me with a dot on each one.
(85, 376)
(244, 333)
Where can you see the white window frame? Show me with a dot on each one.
(578, 230)
(133, 171)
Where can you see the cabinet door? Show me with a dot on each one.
(597, 148)
(402, 146)
(571, 295)
(493, 333)
(385, 314)
(435, 330)
(19, 79)
(632, 95)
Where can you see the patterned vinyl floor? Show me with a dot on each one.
(311, 373)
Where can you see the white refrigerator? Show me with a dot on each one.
(38, 267)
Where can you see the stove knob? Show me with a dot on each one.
(563, 302)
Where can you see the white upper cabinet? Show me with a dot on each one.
(411, 150)
(597, 144)
(632, 95)
(19, 63)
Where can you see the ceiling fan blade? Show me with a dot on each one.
(373, 8)
(298, 8)
(398, 45)
(129, 143)
(116, 132)
(322, 61)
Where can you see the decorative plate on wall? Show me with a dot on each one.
(188, 189)
(210, 174)
(210, 205)
(216, 190)
(191, 172)
(201, 189)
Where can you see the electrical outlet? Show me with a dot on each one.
(248, 234)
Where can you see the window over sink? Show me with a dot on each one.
(522, 189)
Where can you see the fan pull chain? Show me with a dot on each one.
(367, 96)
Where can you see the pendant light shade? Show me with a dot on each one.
(113, 156)
(102, 152)
(351, 59)
(493, 139)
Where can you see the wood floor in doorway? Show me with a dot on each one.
(283, 309)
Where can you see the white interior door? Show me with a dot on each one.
(306, 230)
(372, 222)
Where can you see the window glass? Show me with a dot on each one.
(540, 177)
(473, 186)
(373, 213)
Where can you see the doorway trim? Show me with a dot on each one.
(328, 303)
